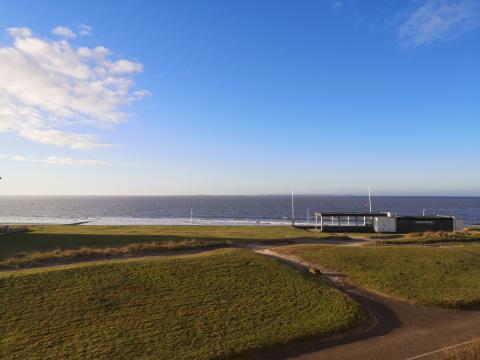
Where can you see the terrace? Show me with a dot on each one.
(346, 222)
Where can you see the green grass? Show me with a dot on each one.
(446, 276)
(51, 238)
(211, 305)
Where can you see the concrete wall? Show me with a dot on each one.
(385, 224)
(458, 225)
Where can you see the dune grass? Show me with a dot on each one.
(467, 352)
(43, 245)
(39, 258)
(212, 305)
(54, 237)
(447, 276)
(430, 237)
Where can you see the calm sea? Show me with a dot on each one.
(213, 210)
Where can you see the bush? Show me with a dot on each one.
(7, 229)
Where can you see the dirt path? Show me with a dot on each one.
(402, 331)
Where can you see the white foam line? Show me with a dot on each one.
(140, 221)
(443, 349)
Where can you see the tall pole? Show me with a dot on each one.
(191, 215)
(370, 198)
(293, 211)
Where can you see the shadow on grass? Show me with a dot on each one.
(22, 243)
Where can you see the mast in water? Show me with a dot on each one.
(293, 211)
(370, 198)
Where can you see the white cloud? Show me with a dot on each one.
(50, 89)
(438, 19)
(61, 138)
(85, 30)
(125, 67)
(64, 31)
(56, 160)
(19, 32)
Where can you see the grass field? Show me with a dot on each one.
(439, 276)
(53, 244)
(218, 304)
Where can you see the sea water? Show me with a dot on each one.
(218, 210)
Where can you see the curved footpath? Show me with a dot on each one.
(402, 330)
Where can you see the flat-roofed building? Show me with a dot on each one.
(384, 222)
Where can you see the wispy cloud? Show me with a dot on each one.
(85, 30)
(55, 160)
(337, 6)
(64, 31)
(49, 89)
(436, 20)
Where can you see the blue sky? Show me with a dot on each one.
(240, 97)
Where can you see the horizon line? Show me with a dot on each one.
(252, 195)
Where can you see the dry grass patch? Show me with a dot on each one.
(432, 237)
(466, 352)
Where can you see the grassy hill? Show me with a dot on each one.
(217, 304)
(447, 276)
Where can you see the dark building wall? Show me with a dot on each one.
(420, 224)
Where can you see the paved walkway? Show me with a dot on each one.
(402, 330)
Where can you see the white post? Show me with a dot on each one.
(191, 215)
(308, 216)
(370, 198)
(316, 221)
